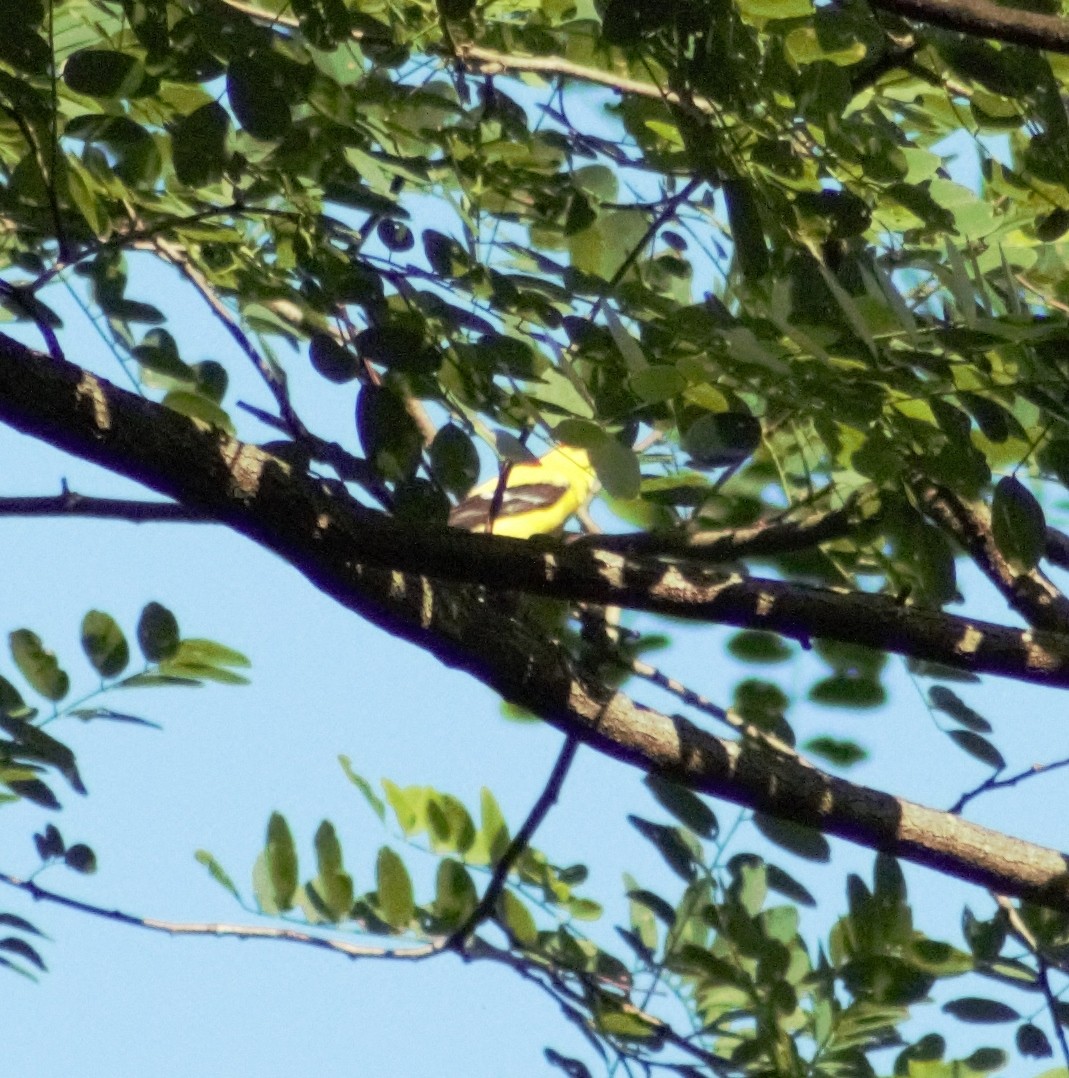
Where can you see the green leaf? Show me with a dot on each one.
(33, 790)
(626, 1025)
(38, 665)
(684, 805)
(16, 946)
(376, 802)
(104, 644)
(195, 406)
(11, 703)
(103, 73)
(80, 858)
(280, 859)
(49, 843)
(722, 439)
(332, 360)
(655, 384)
(394, 890)
(217, 872)
(785, 884)
(836, 751)
(794, 837)
(947, 701)
(388, 433)
(454, 460)
(493, 831)
(758, 646)
(157, 633)
(669, 842)
(848, 690)
(1018, 524)
(981, 1011)
(198, 145)
(454, 895)
(196, 651)
(158, 352)
(1032, 1041)
(333, 885)
(516, 919)
(258, 99)
(12, 920)
(978, 746)
(617, 468)
(747, 230)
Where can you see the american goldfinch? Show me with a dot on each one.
(539, 497)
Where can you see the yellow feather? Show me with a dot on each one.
(539, 497)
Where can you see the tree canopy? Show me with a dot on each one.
(792, 274)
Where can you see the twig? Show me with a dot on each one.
(72, 504)
(1027, 937)
(754, 733)
(993, 782)
(348, 466)
(485, 61)
(26, 302)
(245, 932)
(47, 178)
(273, 377)
(767, 538)
(547, 799)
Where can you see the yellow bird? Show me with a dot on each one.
(538, 498)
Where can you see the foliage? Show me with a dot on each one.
(726, 247)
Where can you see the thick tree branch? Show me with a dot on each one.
(326, 534)
(983, 18)
(332, 538)
(307, 524)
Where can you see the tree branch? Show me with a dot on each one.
(243, 932)
(546, 800)
(72, 504)
(1031, 594)
(308, 524)
(983, 18)
(344, 546)
(993, 782)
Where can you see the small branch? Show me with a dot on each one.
(1027, 937)
(547, 799)
(726, 715)
(24, 299)
(993, 782)
(348, 466)
(483, 61)
(47, 178)
(274, 378)
(71, 504)
(1057, 551)
(244, 932)
(764, 539)
(1030, 593)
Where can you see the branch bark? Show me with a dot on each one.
(983, 18)
(478, 631)
(358, 554)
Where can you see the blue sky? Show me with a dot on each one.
(118, 1001)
